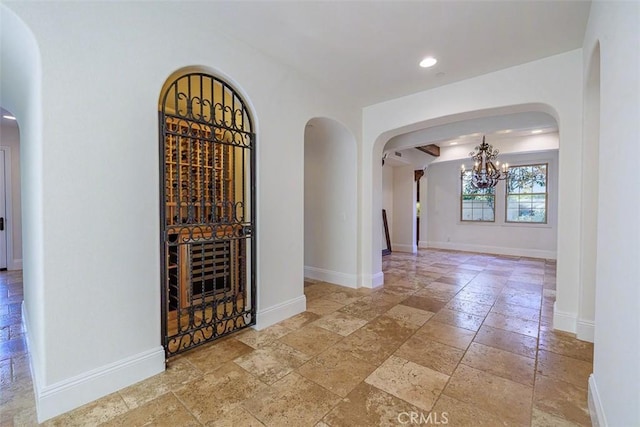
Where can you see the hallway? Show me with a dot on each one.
(458, 337)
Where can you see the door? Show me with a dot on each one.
(207, 152)
(3, 216)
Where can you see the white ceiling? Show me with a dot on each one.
(369, 50)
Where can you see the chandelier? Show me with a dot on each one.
(486, 174)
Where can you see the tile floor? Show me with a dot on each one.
(452, 338)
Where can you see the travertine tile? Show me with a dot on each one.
(294, 400)
(390, 328)
(211, 356)
(561, 399)
(513, 324)
(514, 342)
(424, 303)
(218, 392)
(323, 306)
(408, 314)
(459, 319)
(543, 419)
(257, 339)
(368, 406)
(446, 334)
(564, 368)
(413, 383)
(178, 373)
(477, 297)
(300, 320)
(272, 362)
(470, 307)
(164, 410)
(520, 312)
(453, 412)
(501, 363)
(337, 371)
(311, 339)
(368, 346)
(506, 399)
(565, 344)
(431, 354)
(98, 412)
(345, 296)
(236, 417)
(340, 323)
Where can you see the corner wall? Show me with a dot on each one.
(96, 323)
(614, 387)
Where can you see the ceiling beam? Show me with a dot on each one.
(431, 149)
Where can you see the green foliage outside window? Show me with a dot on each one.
(477, 204)
(527, 194)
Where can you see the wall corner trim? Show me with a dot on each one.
(585, 330)
(335, 277)
(564, 321)
(276, 313)
(596, 411)
(68, 394)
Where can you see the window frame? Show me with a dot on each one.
(463, 194)
(546, 196)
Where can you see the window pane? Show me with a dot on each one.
(526, 198)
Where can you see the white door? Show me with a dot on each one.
(3, 217)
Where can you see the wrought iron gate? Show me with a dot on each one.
(208, 249)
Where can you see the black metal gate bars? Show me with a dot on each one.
(208, 250)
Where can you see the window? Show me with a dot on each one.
(527, 194)
(476, 204)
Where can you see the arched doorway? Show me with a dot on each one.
(207, 208)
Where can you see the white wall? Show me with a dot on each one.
(21, 92)
(330, 203)
(404, 210)
(387, 196)
(615, 385)
(10, 137)
(446, 231)
(552, 85)
(101, 275)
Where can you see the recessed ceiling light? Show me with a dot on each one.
(453, 143)
(427, 62)
(537, 131)
(505, 131)
(6, 116)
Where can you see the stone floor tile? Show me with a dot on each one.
(272, 362)
(164, 410)
(294, 401)
(514, 342)
(431, 354)
(413, 383)
(340, 323)
(367, 405)
(501, 363)
(561, 399)
(504, 398)
(337, 371)
(311, 339)
(564, 368)
(446, 334)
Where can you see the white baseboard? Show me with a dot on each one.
(372, 281)
(596, 411)
(63, 396)
(16, 264)
(397, 247)
(274, 314)
(335, 277)
(585, 330)
(497, 250)
(564, 321)
(423, 244)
